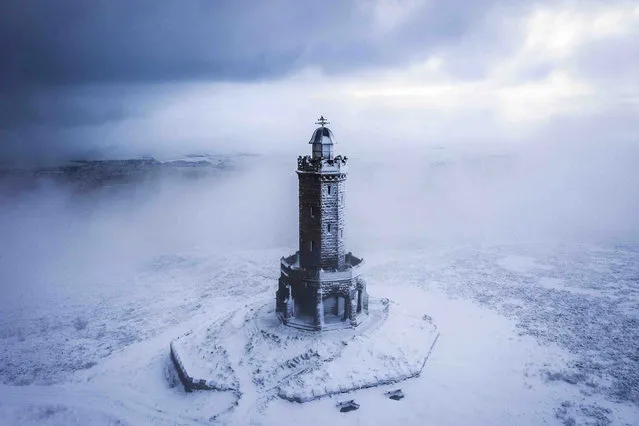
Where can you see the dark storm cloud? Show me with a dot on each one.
(69, 41)
(65, 107)
(70, 66)
(50, 48)
(65, 42)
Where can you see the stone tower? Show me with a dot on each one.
(320, 285)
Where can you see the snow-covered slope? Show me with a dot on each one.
(540, 330)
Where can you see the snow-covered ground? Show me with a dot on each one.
(250, 352)
(537, 328)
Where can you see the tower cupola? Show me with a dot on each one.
(322, 140)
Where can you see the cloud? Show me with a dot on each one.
(555, 35)
(72, 41)
(107, 78)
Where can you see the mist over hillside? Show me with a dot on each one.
(402, 199)
(97, 257)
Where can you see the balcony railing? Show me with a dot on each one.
(308, 164)
(352, 268)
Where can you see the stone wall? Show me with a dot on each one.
(310, 216)
(321, 220)
(332, 221)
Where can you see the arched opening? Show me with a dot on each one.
(303, 304)
(334, 309)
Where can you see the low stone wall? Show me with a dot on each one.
(300, 366)
(302, 397)
(188, 382)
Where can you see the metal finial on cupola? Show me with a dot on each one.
(322, 121)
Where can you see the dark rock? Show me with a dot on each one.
(346, 406)
(395, 395)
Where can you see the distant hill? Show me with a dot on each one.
(91, 174)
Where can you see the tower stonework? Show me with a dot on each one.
(320, 286)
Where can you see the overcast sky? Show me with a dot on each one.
(116, 78)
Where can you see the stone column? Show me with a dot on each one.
(281, 297)
(319, 310)
(290, 304)
(352, 303)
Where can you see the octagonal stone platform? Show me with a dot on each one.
(250, 350)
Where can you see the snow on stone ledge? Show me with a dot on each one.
(394, 351)
(201, 363)
(390, 346)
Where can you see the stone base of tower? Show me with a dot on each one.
(249, 351)
(321, 300)
(304, 325)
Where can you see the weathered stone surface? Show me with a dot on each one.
(321, 214)
(313, 298)
(346, 406)
(395, 394)
(320, 287)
